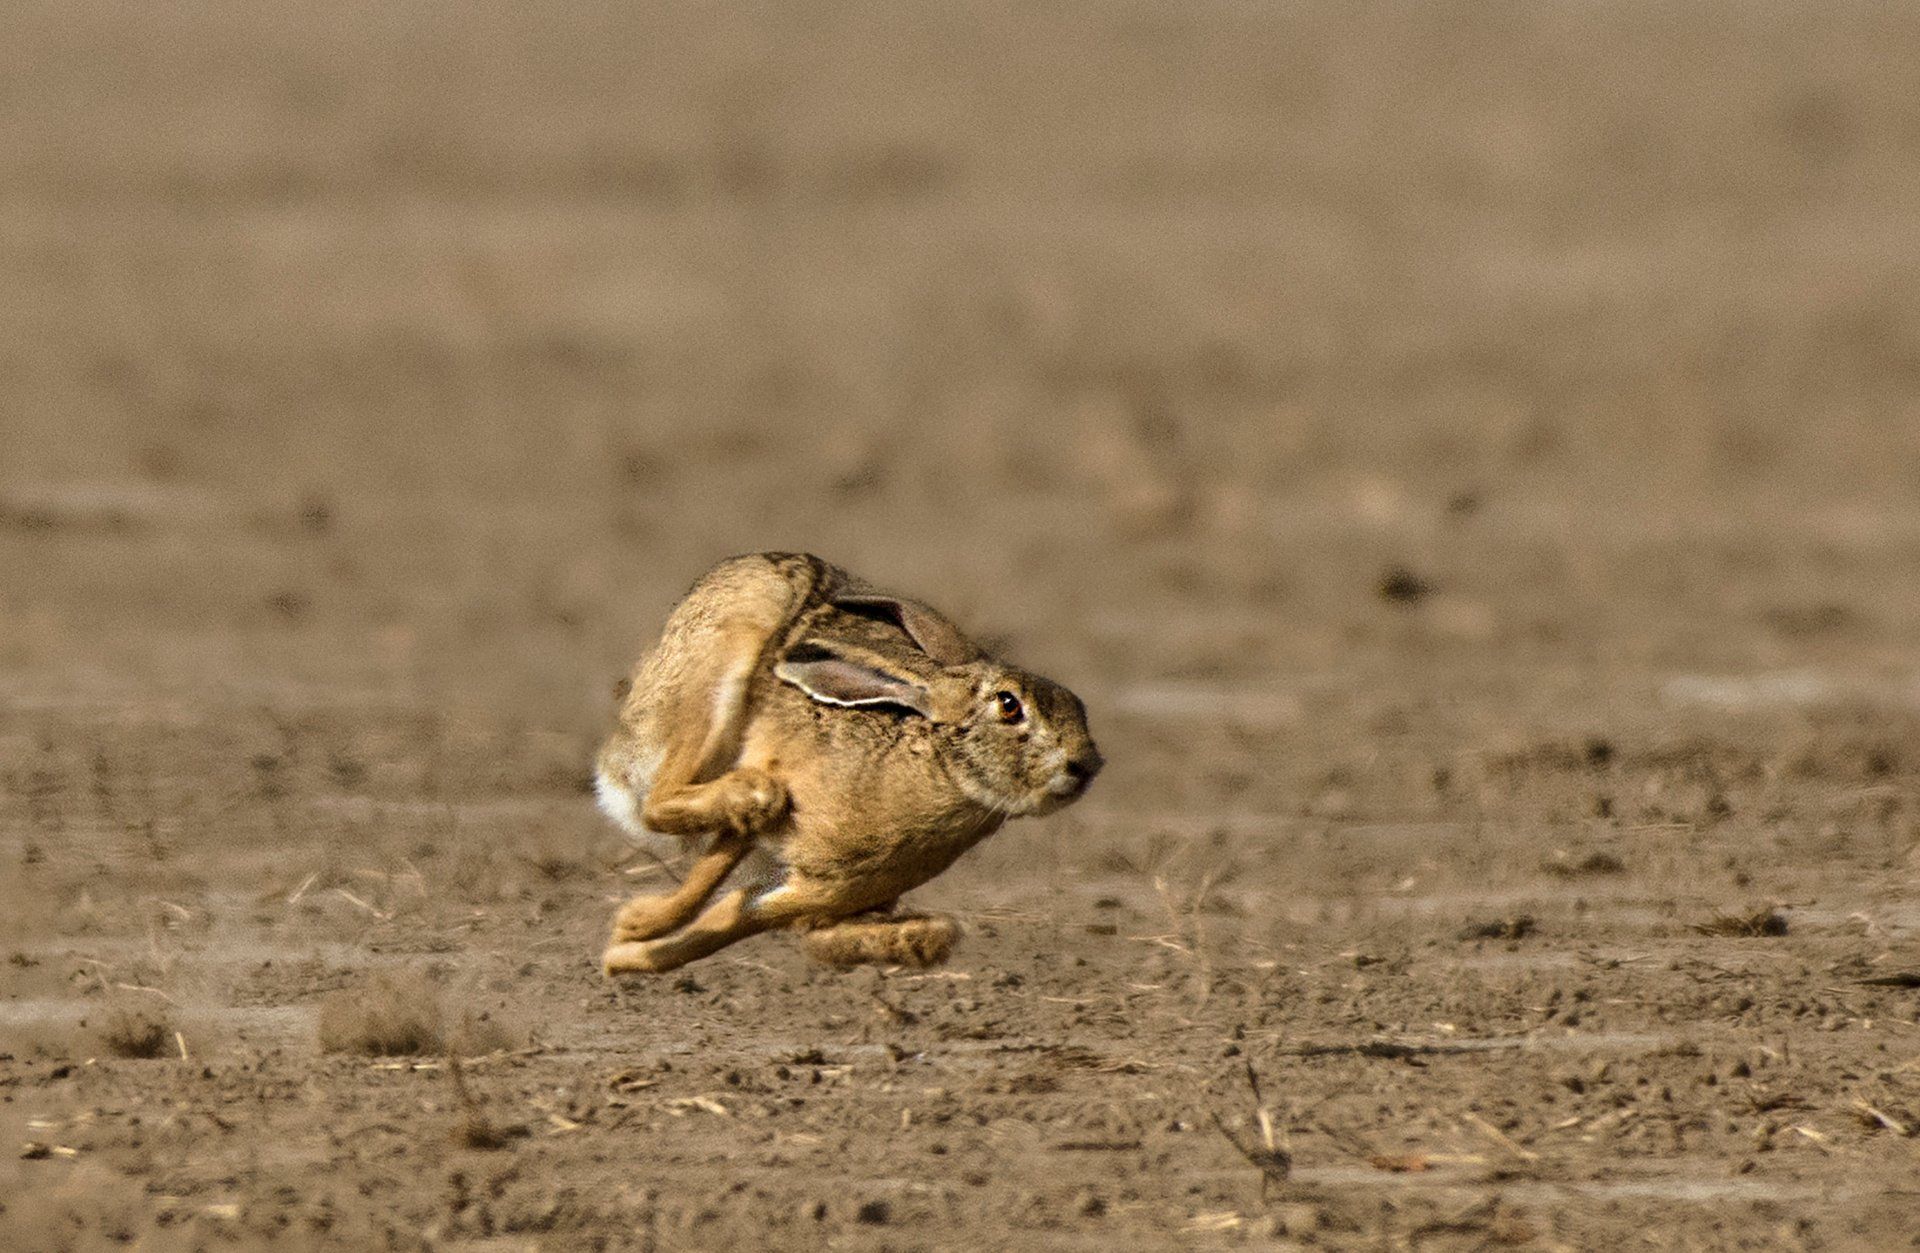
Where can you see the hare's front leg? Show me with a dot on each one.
(739, 805)
(728, 919)
(735, 916)
(645, 917)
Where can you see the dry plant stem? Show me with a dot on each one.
(1272, 1159)
(476, 1130)
(1189, 930)
(1195, 911)
(1883, 1118)
(1501, 1138)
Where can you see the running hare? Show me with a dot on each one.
(846, 744)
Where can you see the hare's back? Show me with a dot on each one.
(737, 606)
(696, 676)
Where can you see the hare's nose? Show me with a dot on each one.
(1082, 769)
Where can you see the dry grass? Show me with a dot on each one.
(1754, 923)
(404, 1014)
(136, 1033)
(1269, 1152)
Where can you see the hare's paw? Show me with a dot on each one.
(924, 941)
(744, 802)
(921, 940)
(749, 802)
(634, 958)
(646, 918)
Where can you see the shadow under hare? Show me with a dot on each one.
(835, 746)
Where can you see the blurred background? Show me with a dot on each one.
(436, 348)
(1466, 453)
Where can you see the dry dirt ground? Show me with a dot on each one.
(1467, 455)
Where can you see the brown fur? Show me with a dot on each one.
(923, 940)
(853, 736)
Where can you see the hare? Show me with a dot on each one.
(845, 744)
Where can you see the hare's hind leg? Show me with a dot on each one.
(883, 940)
(737, 805)
(687, 797)
(713, 645)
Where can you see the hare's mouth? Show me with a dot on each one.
(1068, 783)
(1065, 779)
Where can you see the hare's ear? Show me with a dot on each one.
(937, 637)
(833, 679)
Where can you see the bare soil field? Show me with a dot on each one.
(1466, 455)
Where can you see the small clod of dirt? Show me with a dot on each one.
(316, 514)
(1515, 928)
(482, 1134)
(1822, 618)
(289, 604)
(1759, 922)
(1568, 866)
(1401, 586)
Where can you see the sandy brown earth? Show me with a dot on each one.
(1468, 457)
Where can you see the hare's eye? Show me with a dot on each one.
(1011, 709)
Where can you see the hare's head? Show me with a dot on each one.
(1021, 745)
(1012, 742)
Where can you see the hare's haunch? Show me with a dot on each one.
(831, 747)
